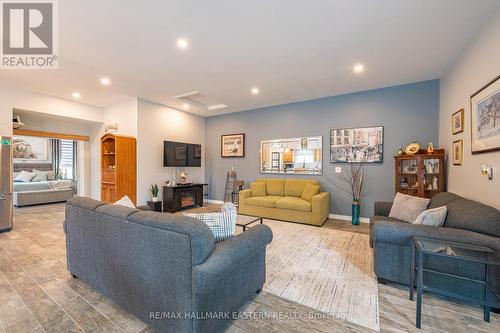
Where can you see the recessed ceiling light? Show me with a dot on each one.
(182, 43)
(185, 106)
(255, 90)
(76, 94)
(359, 68)
(105, 81)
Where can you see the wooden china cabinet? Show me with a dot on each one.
(118, 167)
(422, 174)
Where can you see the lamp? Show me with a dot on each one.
(487, 170)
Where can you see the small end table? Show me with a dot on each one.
(461, 252)
(155, 206)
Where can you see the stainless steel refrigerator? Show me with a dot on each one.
(6, 205)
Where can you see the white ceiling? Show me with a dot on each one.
(292, 50)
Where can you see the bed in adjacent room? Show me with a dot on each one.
(39, 186)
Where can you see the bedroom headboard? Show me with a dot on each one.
(18, 167)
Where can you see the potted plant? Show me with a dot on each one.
(154, 192)
(353, 177)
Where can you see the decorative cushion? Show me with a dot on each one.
(309, 192)
(258, 189)
(275, 187)
(295, 187)
(125, 201)
(267, 201)
(434, 217)
(39, 177)
(222, 224)
(24, 177)
(294, 203)
(407, 208)
(51, 175)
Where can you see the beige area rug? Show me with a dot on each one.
(328, 270)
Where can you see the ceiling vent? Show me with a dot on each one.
(195, 98)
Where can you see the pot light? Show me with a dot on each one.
(185, 106)
(105, 81)
(76, 94)
(255, 90)
(359, 68)
(182, 43)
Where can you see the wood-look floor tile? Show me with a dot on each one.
(120, 318)
(82, 312)
(14, 314)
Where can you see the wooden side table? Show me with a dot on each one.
(155, 206)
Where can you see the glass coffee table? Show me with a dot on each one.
(460, 252)
(244, 221)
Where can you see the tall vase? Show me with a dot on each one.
(355, 212)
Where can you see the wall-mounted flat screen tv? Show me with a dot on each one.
(179, 154)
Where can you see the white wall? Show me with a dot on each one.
(157, 123)
(479, 63)
(12, 98)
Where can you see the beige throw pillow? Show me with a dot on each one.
(310, 191)
(407, 208)
(434, 217)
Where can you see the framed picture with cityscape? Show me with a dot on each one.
(357, 145)
(232, 145)
(485, 118)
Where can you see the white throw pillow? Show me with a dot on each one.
(434, 217)
(222, 224)
(125, 201)
(24, 176)
(407, 208)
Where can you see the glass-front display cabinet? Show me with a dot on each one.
(422, 174)
(292, 156)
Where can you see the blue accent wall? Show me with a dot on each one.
(408, 113)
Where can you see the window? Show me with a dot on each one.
(67, 159)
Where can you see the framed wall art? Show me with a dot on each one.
(232, 145)
(351, 145)
(28, 149)
(457, 122)
(458, 152)
(485, 118)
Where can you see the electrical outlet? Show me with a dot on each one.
(338, 170)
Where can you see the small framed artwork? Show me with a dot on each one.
(232, 145)
(457, 122)
(485, 118)
(458, 152)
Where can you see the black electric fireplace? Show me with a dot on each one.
(182, 196)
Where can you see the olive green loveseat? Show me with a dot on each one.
(283, 199)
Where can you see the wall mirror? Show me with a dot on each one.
(292, 156)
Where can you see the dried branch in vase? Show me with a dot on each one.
(353, 177)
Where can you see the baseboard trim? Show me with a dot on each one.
(348, 218)
(332, 216)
